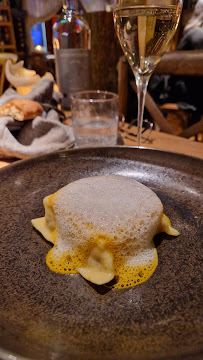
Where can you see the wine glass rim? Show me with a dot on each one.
(78, 96)
(137, 3)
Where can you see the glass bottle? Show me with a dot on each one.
(71, 43)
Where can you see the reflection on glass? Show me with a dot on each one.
(145, 29)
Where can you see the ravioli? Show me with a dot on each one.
(103, 228)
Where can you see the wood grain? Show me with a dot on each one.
(186, 63)
(168, 142)
(105, 51)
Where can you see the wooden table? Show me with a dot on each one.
(157, 140)
(163, 141)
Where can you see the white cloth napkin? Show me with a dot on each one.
(42, 135)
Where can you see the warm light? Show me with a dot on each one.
(38, 48)
(108, 8)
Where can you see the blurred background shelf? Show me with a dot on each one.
(7, 36)
(5, 23)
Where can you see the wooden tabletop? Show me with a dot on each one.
(157, 140)
(163, 141)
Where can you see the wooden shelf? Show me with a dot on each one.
(9, 32)
(4, 8)
(7, 23)
(7, 47)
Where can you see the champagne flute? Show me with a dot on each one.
(145, 29)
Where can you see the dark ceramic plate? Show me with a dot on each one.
(49, 316)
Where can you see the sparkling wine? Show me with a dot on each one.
(145, 32)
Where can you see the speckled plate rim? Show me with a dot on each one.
(80, 149)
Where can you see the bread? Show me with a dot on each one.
(21, 109)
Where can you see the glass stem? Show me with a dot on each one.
(141, 83)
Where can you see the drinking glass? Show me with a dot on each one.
(95, 118)
(145, 29)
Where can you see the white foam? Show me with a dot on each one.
(120, 208)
